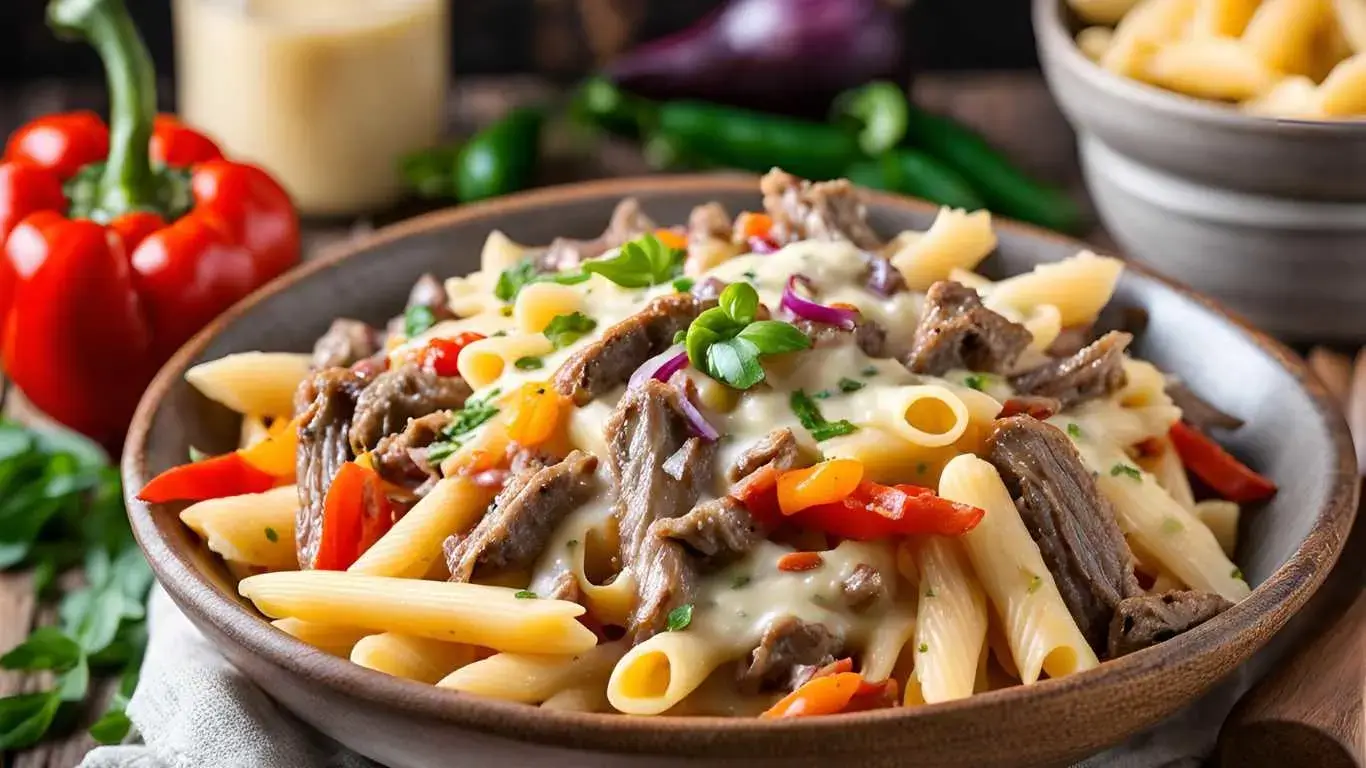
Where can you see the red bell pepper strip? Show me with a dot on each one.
(1227, 476)
(152, 236)
(355, 514)
(872, 511)
(439, 355)
(824, 695)
(213, 478)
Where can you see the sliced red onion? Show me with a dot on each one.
(700, 426)
(810, 310)
(762, 245)
(661, 366)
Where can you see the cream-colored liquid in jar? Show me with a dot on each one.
(325, 94)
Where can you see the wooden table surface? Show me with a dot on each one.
(1013, 109)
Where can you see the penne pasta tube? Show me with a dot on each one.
(454, 612)
(926, 415)
(329, 638)
(951, 624)
(254, 529)
(1079, 287)
(413, 545)
(261, 383)
(662, 671)
(534, 678)
(956, 240)
(887, 641)
(411, 658)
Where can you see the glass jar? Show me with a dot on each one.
(325, 94)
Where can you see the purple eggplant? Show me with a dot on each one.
(786, 56)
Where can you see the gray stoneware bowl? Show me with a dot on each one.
(1268, 215)
(1294, 434)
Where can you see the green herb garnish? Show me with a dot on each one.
(1236, 573)
(417, 319)
(740, 581)
(1074, 430)
(929, 592)
(869, 372)
(512, 280)
(977, 381)
(810, 417)
(571, 543)
(850, 385)
(524, 594)
(924, 648)
(726, 341)
(684, 284)
(641, 263)
(1125, 469)
(528, 363)
(564, 330)
(1034, 583)
(1172, 526)
(462, 423)
(679, 618)
(271, 535)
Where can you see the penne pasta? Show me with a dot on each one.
(1079, 287)
(411, 658)
(329, 638)
(951, 624)
(254, 529)
(956, 240)
(260, 383)
(413, 545)
(662, 671)
(535, 678)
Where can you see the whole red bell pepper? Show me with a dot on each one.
(120, 243)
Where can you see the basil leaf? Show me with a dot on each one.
(829, 429)
(773, 337)
(26, 717)
(679, 618)
(848, 385)
(734, 362)
(697, 341)
(740, 301)
(528, 363)
(417, 319)
(564, 330)
(683, 284)
(641, 263)
(511, 280)
(45, 648)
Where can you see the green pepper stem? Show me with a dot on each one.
(128, 182)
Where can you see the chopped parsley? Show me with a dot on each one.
(417, 319)
(505, 311)
(929, 592)
(528, 363)
(750, 274)
(512, 280)
(740, 581)
(571, 543)
(868, 372)
(524, 594)
(463, 422)
(850, 385)
(641, 263)
(271, 535)
(921, 468)
(1074, 430)
(684, 284)
(810, 417)
(679, 618)
(498, 334)
(1236, 573)
(977, 381)
(824, 394)
(726, 341)
(564, 330)
(1125, 469)
(1171, 525)
(924, 648)
(1034, 583)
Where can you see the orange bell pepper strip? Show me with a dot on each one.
(356, 514)
(749, 224)
(275, 455)
(1217, 468)
(534, 414)
(876, 511)
(671, 239)
(793, 562)
(827, 482)
(227, 475)
(824, 695)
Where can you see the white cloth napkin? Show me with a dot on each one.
(192, 709)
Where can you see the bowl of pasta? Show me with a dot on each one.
(784, 473)
(1225, 144)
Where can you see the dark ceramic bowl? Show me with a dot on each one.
(1294, 434)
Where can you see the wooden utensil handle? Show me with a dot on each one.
(1309, 711)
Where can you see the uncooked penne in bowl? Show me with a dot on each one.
(766, 487)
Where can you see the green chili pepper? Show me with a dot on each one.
(600, 102)
(501, 158)
(912, 172)
(430, 173)
(1007, 189)
(879, 110)
(754, 141)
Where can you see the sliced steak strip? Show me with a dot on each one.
(394, 397)
(862, 587)
(326, 400)
(515, 530)
(826, 210)
(610, 361)
(788, 653)
(1095, 371)
(1198, 412)
(659, 470)
(957, 331)
(1140, 622)
(715, 532)
(401, 459)
(870, 336)
(1070, 521)
(778, 448)
(346, 343)
(627, 223)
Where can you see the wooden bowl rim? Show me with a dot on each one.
(1051, 29)
(1274, 601)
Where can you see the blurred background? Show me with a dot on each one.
(556, 38)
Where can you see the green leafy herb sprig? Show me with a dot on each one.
(727, 341)
(462, 425)
(61, 506)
